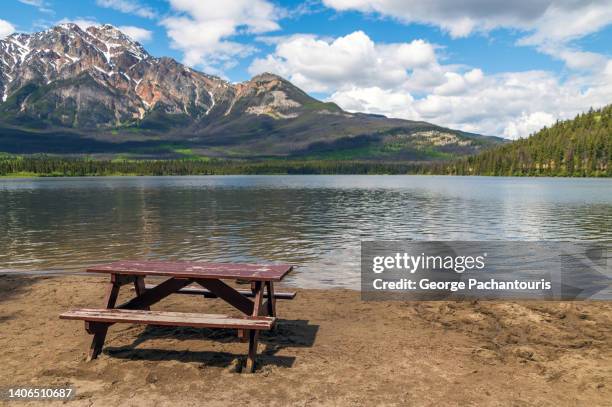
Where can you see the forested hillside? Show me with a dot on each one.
(581, 147)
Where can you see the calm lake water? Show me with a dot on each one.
(315, 222)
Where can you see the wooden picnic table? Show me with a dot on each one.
(256, 314)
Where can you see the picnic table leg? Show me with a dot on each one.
(243, 335)
(271, 299)
(139, 285)
(253, 334)
(99, 330)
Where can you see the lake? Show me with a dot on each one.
(315, 222)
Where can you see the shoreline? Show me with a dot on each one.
(49, 176)
(63, 166)
(330, 348)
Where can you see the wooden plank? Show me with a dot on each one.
(229, 294)
(167, 318)
(161, 291)
(201, 270)
(191, 290)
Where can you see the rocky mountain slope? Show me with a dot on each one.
(96, 91)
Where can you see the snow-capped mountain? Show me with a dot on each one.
(98, 81)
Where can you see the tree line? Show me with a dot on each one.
(61, 166)
(580, 147)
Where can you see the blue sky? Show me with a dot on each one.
(494, 67)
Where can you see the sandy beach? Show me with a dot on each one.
(330, 348)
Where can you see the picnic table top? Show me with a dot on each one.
(191, 269)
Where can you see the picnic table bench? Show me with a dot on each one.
(257, 315)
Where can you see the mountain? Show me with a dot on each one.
(580, 147)
(69, 90)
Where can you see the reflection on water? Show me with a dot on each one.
(316, 222)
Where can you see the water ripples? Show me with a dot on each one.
(316, 222)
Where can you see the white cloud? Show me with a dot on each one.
(375, 100)
(512, 104)
(573, 58)
(526, 124)
(581, 59)
(136, 33)
(569, 19)
(321, 65)
(129, 7)
(547, 25)
(457, 84)
(6, 28)
(203, 30)
(543, 20)
(406, 80)
(41, 5)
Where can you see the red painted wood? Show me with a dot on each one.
(154, 295)
(191, 290)
(271, 304)
(102, 315)
(228, 294)
(99, 331)
(201, 270)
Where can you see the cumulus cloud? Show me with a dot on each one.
(203, 30)
(129, 7)
(528, 123)
(558, 20)
(511, 105)
(136, 33)
(548, 25)
(458, 84)
(321, 65)
(376, 100)
(6, 28)
(407, 80)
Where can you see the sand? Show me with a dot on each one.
(330, 349)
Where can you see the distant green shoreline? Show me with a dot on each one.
(53, 166)
(40, 176)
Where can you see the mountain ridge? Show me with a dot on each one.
(105, 88)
